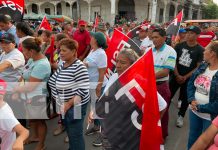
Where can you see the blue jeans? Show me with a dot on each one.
(74, 127)
(196, 127)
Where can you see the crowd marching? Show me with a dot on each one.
(64, 69)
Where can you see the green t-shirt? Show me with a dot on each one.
(39, 69)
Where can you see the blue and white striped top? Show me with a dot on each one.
(165, 58)
(70, 81)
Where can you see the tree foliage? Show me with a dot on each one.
(210, 11)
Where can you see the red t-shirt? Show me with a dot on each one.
(205, 38)
(83, 39)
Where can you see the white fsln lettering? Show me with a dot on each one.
(12, 6)
(126, 90)
(122, 44)
(3, 4)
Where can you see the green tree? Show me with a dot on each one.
(210, 11)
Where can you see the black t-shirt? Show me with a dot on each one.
(188, 57)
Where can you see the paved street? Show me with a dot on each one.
(176, 141)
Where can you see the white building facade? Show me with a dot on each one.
(158, 11)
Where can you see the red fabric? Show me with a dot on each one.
(151, 134)
(96, 22)
(51, 49)
(45, 24)
(82, 23)
(83, 39)
(117, 42)
(173, 27)
(20, 47)
(111, 51)
(205, 38)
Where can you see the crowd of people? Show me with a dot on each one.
(65, 68)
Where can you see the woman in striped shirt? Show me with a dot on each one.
(70, 87)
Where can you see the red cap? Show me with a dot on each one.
(82, 23)
(3, 86)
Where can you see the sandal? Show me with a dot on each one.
(30, 141)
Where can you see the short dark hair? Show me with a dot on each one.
(25, 28)
(60, 36)
(75, 24)
(47, 33)
(39, 32)
(161, 32)
(5, 18)
(69, 43)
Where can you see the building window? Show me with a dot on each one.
(59, 9)
(34, 8)
(74, 11)
(171, 12)
(161, 15)
(48, 11)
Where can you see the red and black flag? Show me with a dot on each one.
(134, 32)
(129, 109)
(13, 8)
(118, 41)
(174, 26)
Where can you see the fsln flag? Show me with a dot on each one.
(134, 32)
(118, 41)
(173, 27)
(131, 120)
(13, 8)
(45, 25)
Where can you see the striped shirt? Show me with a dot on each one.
(68, 82)
(165, 58)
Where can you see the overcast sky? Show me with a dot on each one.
(216, 1)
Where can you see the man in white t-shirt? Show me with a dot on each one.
(9, 125)
(11, 60)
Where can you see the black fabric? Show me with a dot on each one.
(13, 9)
(174, 86)
(188, 57)
(117, 124)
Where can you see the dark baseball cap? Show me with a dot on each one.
(205, 26)
(7, 38)
(194, 29)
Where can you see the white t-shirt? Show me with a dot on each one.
(161, 102)
(202, 84)
(96, 59)
(12, 74)
(146, 44)
(24, 38)
(7, 123)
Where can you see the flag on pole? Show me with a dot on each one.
(45, 25)
(118, 41)
(132, 120)
(13, 8)
(174, 26)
